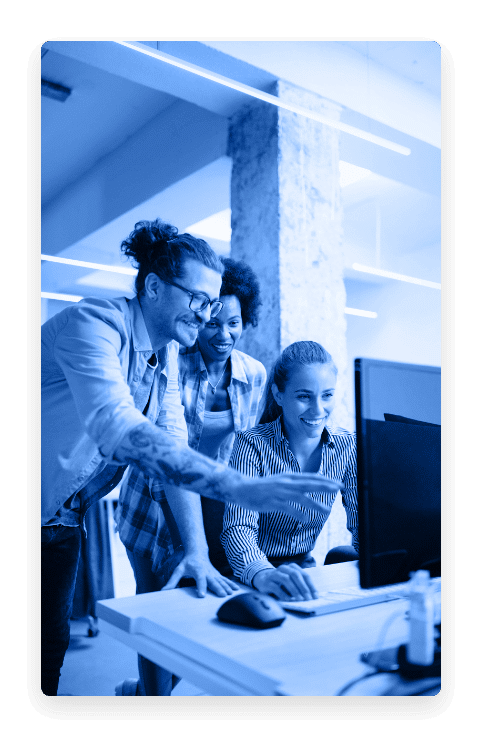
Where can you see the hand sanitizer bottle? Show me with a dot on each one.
(420, 648)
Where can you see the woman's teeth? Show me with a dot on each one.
(313, 423)
(222, 348)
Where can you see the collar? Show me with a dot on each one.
(141, 340)
(327, 436)
(238, 368)
(140, 337)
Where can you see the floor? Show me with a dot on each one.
(94, 666)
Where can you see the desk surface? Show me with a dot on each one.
(304, 656)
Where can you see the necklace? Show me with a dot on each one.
(214, 387)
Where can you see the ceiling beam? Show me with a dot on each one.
(124, 62)
(181, 140)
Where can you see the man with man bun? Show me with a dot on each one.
(110, 399)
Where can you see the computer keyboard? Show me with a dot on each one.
(347, 598)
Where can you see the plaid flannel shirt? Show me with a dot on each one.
(142, 522)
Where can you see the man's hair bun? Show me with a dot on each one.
(156, 247)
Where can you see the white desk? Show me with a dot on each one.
(304, 656)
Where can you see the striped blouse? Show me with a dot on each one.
(250, 538)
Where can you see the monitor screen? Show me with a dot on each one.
(398, 410)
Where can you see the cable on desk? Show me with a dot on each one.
(385, 627)
(377, 671)
(348, 686)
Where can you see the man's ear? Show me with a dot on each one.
(278, 395)
(153, 287)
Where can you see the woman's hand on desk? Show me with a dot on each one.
(205, 575)
(286, 582)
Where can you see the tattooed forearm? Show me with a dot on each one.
(178, 477)
(220, 488)
(210, 479)
(143, 436)
(158, 454)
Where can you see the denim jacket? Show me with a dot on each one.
(94, 355)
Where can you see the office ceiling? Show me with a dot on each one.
(106, 109)
(415, 60)
(103, 111)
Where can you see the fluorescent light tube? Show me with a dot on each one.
(270, 98)
(361, 312)
(92, 266)
(395, 276)
(60, 296)
(71, 297)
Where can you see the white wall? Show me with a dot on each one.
(407, 328)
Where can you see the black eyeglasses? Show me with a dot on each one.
(199, 301)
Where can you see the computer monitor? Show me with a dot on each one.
(398, 470)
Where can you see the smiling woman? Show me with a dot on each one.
(307, 401)
(240, 295)
(266, 550)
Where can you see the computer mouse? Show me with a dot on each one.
(253, 610)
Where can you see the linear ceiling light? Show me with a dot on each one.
(60, 296)
(361, 312)
(270, 98)
(71, 297)
(92, 266)
(395, 276)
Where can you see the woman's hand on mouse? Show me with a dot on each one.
(286, 582)
(205, 575)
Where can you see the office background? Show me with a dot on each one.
(343, 232)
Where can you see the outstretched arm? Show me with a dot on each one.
(87, 350)
(160, 455)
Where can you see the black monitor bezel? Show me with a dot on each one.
(361, 389)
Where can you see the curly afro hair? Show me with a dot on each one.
(239, 280)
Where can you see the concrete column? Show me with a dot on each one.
(286, 223)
